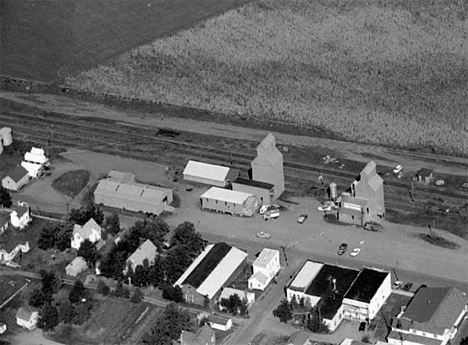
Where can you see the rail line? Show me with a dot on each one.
(85, 135)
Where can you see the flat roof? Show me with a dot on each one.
(226, 195)
(206, 170)
(265, 257)
(253, 183)
(306, 274)
(366, 284)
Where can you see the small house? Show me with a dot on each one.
(8, 252)
(215, 321)
(27, 317)
(204, 336)
(265, 268)
(229, 201)
(425, 175)
(16, 179)
(227, 292)
(263, 192)
(75, 267)
(21, 216)
(146, 251)
(90, 231)
(210, 174)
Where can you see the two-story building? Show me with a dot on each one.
(90, 231)
(265, 268)
(20, 217)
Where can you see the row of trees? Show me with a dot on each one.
(312, 319)
(5, 198)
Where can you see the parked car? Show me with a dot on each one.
(263, 209)
(372, 226)
(265, 235)
(302, 218)
(272, 214)
(407, 286)
(355, 252)
(342, 249)
(362, 327)
(398, 169)
(397, 285)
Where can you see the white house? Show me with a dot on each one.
(75, 267)
(146, 251)
(432, 317)
(27, 317)
(215, 321)
(265, 268)
(248, 296)
(21, 216)
(90, 231)
(8, 254)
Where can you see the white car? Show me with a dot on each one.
(323, 208)
(355, 252)
(271, 214)
(398, 169)
(264, 235)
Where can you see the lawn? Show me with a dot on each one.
(383, 72)
(62, 37)
(72, 182)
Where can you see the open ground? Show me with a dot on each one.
(382, 72)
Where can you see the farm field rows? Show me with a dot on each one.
(388, 73)
(62, 37)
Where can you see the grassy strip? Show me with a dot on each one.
(438, 241)
(376, 72)
(71, 183)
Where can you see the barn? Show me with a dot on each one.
(132, 196)
(229, 201)
(16, 179)
(263, 192)
(210, 174)
(268, 165)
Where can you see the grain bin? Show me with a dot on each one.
(5, 134)
(333, 191)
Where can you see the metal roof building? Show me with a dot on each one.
(132, 196)
(229, 201)
(215, 175)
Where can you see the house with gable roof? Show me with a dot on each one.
(204, 336)
(265, 268)
(90, 231)
(147, 251)
(27, 317)
(16, 178)
(77, 266)
(8, 251)
(432, 317)
(268, 165)
(21, 215)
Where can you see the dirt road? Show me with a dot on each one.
(347, 150)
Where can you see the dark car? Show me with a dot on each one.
(342, 249)
(407, 286)
(362, 327)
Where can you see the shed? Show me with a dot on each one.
(425, 175)
(210, 174)
(263, 191)
(229, 201)
(215, 321)
(16, 178)
(75, 267)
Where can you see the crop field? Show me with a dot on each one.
(48, 40)
(383, 72)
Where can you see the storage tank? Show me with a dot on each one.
(5, 133)
(333, 191)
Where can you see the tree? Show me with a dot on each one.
(81, 313)
(464, 341)
(140, 276)
(50, 285)
(232, 304)
(176, 262)
(119, 290)
(89, 252)
(156, 273)
(100, 286)
(137, 296)
(316, 323)
(113, 224)
(168, 326)
(63, 236)
(5, 198)
(283, 312)
(65, 312)
(48, 318)
(81, 215)
(186, 236)
(105, 290)
(47, 237)
(152, 228)
(37, 298)
(78, 293)
(173, 293)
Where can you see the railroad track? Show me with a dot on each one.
(102, 138)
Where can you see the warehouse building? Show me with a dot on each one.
(210, 174)
(229, 201)
(341, 292)
(132, 196)
(268, 165)
(214, 268)
(263, 192)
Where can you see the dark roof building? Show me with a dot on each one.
(263, 191)
(16, 178)
(366, 285)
